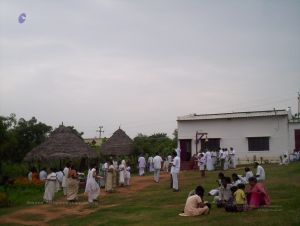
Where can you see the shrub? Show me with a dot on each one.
(13, 170)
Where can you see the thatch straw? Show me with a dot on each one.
(118, 144)
(62, 144)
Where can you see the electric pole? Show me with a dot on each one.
(298, 106)
(100, 131)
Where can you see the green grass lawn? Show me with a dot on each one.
(158, 205)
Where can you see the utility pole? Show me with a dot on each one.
(298, 106)
(100, 131)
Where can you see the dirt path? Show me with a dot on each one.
(40, 214)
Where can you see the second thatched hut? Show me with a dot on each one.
(119, 144)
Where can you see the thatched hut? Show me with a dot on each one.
(118, 144)
(63, 144)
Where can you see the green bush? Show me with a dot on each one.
(13, 170)
(4, 201)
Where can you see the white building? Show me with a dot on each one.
(259, 134)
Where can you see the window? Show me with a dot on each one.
(210, 144)
(258, 143)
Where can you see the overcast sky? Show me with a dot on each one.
(140, 64)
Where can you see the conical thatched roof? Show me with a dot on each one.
(118, 144)
(62, 144)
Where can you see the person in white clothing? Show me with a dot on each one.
(175, 171)
(284, 159)
(214, 158)
(166, 165)
(43, 174)
(209, 161)
(232, 158)
(178, 152)
(226, 159)
(122, 168)
(247, 175)
(150, 164)
(202, 162)
(142, 165)
(92, 188)
(222, 158)
(127, 175)
(157, 160)
(64, 183)
(59, 175)
(260, 172)
(51, 186)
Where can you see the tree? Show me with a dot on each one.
(158, 142)
(19, 137)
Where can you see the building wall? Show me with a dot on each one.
(234, 133)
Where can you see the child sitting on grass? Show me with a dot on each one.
(225, 193)
(239, 202)
(240, 198)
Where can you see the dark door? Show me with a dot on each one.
(186, 149)
(297, 139)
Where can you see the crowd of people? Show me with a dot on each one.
(107, 175)
(223, 159)
(235, 194)
(156, 164)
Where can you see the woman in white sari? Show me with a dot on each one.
(122, 168)
(51, 186)
(65, 178)
(109, 178)
(127, 175)
(92, 188)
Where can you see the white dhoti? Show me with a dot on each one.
(141, 171)
(156, 175)
(50, 189)
(175, 180)
(209, 164)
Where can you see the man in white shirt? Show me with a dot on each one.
(226, 159)
(157, 160)
(175, 171)
(43, 174)
(142, 165)
(150, 164)
(260, 172)
(232, 158)
(222, 158)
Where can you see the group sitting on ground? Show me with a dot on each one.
(233, 195)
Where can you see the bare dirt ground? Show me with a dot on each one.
(40, 214)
